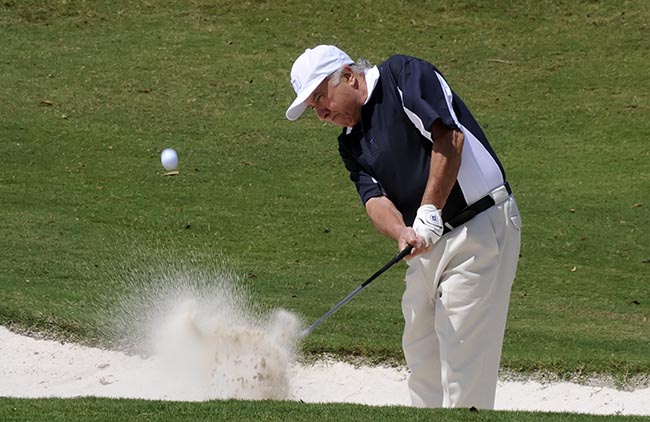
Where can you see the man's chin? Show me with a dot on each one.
(344, 122)
(339, 122)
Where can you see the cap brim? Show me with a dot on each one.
(296, 109)
(298, 106)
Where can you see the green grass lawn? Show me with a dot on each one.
(92, 91)
(92, 409)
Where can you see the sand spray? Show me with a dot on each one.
(211, 341)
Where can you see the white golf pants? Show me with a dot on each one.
(455, 306)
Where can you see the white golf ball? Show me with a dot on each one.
(169, 159)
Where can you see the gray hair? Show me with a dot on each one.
(360, 66)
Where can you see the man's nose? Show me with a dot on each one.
(322, 112)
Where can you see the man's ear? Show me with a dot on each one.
(349, 75)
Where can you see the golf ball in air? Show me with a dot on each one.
(169, 159)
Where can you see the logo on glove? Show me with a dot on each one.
(432, 219)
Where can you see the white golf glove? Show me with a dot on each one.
(428, 224)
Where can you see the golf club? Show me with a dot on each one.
(396, 259)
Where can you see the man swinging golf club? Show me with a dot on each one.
(429, 179)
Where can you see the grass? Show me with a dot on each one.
(92, 409)
(94, 90)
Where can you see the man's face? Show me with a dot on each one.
(340, 104)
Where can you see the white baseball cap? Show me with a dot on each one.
(309, 70)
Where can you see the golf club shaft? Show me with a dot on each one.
(356, 291)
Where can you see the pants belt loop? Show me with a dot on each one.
(500, 194)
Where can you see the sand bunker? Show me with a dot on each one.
(195, 337)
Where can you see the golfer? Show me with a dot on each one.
(428, 178)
